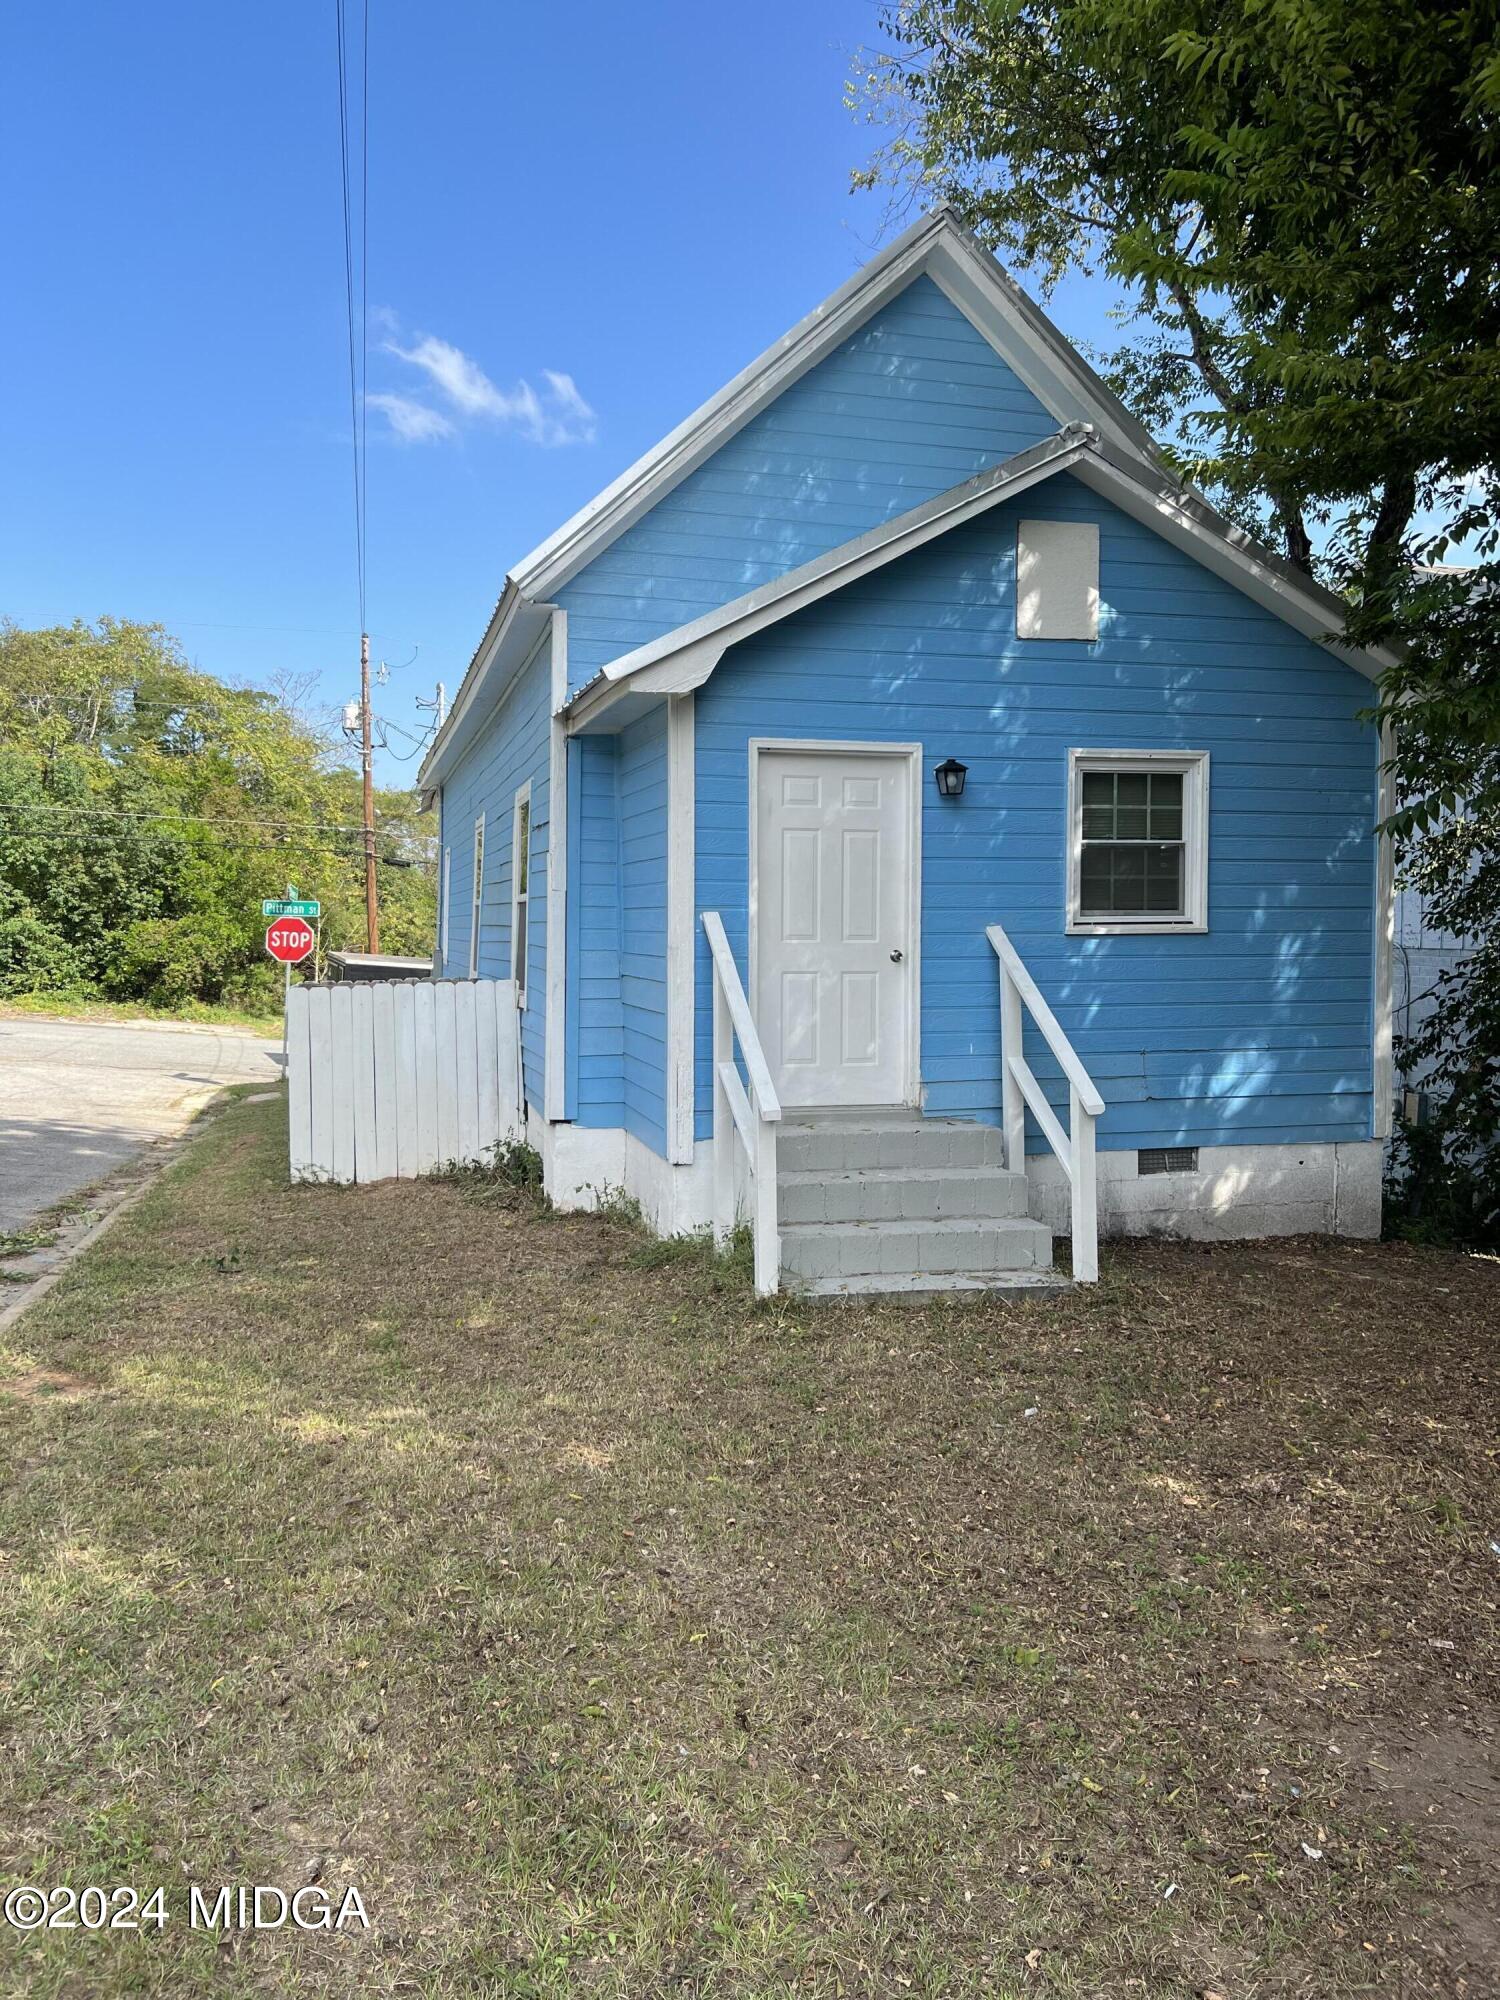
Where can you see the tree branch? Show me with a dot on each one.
(1288, 510)
(1398, 501)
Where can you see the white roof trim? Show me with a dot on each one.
(683, 659)
(517, 628)
(1183, 517)
(939, 246)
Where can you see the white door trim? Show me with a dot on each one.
(843, 746)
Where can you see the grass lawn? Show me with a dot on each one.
(192, 1014)
(614, 1635)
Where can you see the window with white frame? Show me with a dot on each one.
(520, 889)
(1138, 840)
(478, 897)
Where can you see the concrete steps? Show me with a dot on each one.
(891, 1203)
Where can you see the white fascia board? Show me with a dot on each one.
(698, 436)
(500, 617)
(937, 245)
(683, 659)
(1020, 332)
(1190, 524)
(604, 710)
(517, 629)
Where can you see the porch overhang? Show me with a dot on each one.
(684, 658)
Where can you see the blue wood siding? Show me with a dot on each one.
(512, 748)
(1259, 1031)
(643, 926)
(617, 975)
(911, 404)
(596, 1026)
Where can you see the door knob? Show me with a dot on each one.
(896, 957)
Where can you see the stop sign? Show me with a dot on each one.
(289, 939)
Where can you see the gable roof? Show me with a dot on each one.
(1122, 460)
(938, 246)
(683, 659)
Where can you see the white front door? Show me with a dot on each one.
(835, 954)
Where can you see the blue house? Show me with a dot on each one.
(915, 823)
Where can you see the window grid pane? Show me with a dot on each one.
(1132, 861)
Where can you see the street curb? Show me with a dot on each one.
(134, 1191)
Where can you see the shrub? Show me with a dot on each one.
(1442, 1188)
(36, 958)
(170, 960)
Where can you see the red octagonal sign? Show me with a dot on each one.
(289, 939)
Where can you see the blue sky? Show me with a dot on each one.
(581, 222)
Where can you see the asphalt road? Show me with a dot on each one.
(78, 1098)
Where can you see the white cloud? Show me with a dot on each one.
(413, 423)
(558, 416)
(570, 415)
(461, 380)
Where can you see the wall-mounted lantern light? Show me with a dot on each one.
(950, 775)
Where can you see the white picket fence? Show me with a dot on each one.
(396, 1078)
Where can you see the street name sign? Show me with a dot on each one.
(282, 907)
(289, 939)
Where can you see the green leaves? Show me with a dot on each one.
(1312, 180)
(1304, 199)
(145, 810)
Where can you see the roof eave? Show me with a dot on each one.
(511, 638)
(684, 658)
(937, 245)
(1182, 515)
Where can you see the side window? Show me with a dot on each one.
(478, 902)
(520, 889)
(1138, 840)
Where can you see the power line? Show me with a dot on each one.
(411, 735)
(109, 703)
(364, 284)
(358, 411)
(407, 756)
(203, 819)
(355, 380)
(283, 847)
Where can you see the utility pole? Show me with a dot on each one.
(372, 906)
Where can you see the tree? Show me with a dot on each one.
(1301, 196)
(1301, 200)
(146, 808)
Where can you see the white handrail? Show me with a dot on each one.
(1075, 1147)
(749, 1116)
(1046, 1020)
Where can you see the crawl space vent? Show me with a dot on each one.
(1167, 1160)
